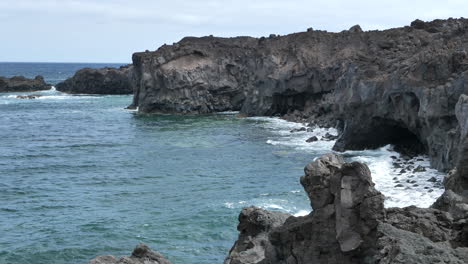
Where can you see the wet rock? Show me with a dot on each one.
(329, 136)
(142, 254)
(419, 169)
(31, 96)
(397, 165)
(393, 157)
(298, 130)
(402, 171)
(432, 179)
(22, 84)
(312, 139)
(399, 185)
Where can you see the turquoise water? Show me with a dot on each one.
(80, 176)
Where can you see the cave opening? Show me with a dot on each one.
(386, 131)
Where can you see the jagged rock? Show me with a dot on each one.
(346, 212)
(254, 227)
(22, 84)
(349, 224)
(142, 254)
(397, 86)
(99, 81)
(312, 139)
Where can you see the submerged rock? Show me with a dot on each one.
(31, 96)
(142, 254)
(349, 224)
(22, 84)
(99, 81)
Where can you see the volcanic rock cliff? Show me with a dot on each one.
(394, 86)
(22, 84)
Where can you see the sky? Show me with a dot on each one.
(111, 30)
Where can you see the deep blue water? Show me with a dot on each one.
(80, 176)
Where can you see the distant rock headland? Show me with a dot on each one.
(23, 84)
(99, 81)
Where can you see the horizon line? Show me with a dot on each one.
(67, 62)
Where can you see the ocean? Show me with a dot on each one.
(81, 176)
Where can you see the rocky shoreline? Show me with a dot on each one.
(404, 86)
(22, 84)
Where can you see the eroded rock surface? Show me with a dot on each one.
(349, 224)
(142, 254)
(22, 84)
(99, 81)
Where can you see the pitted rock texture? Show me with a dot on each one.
(348, 224)
(99, 81)
(395, 86)
(142, 254)
(22, 84)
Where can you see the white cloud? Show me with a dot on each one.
(99, 30)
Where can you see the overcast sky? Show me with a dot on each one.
(111, 30)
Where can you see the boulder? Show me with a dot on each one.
(312, 139)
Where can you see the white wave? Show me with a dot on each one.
(65, 97)
(302, 213)
(284, 137)
(403, 186)
(228, 113)
(416, 189)
(273, 204)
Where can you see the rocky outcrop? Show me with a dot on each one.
(395, 86)
(99, 81)
(22, 84)
(348, 224)
(142, 254)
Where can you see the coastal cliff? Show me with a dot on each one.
(396, 86)
(22, 84)
(404, 86)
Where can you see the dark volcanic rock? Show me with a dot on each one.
(22, 84)
(349, 224)
(99, 81)
(254, 227)
(142, 254)
(312, 139)
(396, 86)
